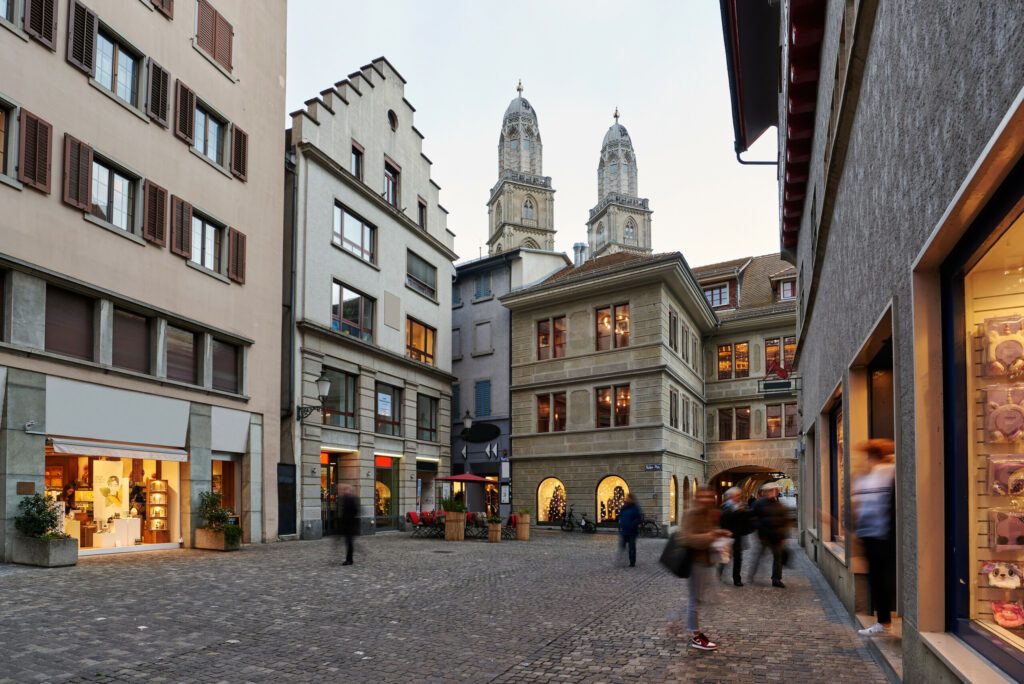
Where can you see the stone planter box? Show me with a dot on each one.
(494, 532)
(45, 553)
(522, 527)
(213, 540)
(454, 526)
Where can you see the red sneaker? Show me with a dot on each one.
(702, 642)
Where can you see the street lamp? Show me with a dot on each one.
(323, 388)
(467, 420)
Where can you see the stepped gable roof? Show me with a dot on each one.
(756, 276)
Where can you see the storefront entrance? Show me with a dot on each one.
(385, 495)
(330, 514)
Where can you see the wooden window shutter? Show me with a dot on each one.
(77, 173)
(224, 42)
(206, 27)
(239, 152)
(236, 255)
(185, 113)
(82, 27)
(34, 144)
(166, 7)
(154, 213)
(158, 99)
(41, 21)
(181, 227)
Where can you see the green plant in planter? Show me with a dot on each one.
(232, 535)
(523, 511)
(212, 513)
(453, 505)
(494, 519)
(38, 519)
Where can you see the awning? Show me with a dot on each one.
(88, 447)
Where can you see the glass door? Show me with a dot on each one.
(329, 511)
(385, 494)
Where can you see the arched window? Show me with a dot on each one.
(673, 500)
(686, 493)
(528, 243)
(529, 212)
(497, 213)
(630, 232)
(550, 501)
(600, 233)
(611, 496)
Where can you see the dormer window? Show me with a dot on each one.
(787, 290)
(717, 295)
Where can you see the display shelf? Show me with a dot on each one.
(157, 528)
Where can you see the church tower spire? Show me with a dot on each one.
(621, 221)
(521, 207)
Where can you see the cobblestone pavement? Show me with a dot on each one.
(556, 609)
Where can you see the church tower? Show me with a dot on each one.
(621, 221)
(521, 210)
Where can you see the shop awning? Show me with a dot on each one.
(87, 447)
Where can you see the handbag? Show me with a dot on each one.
(676, 557)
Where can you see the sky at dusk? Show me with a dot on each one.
(661, 62)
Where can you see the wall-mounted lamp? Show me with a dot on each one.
(323, 388)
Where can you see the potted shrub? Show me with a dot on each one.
(494, 529)
(40, 541)
(523, 524)
(454, 519)
(216, 533)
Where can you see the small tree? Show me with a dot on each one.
(215, 517)
(38, 519)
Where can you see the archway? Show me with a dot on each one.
(611, 496)
(750, 479)
(550, 501)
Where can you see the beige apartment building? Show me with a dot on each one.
(140, 248)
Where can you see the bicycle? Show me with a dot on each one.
(649, 528)
(570, 522)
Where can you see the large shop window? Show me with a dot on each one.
(340, 403)
(673, 500)
(388, 410)
(385, 492)
(69, 323)
(611, 497)
(837, 474)
(611, 334)
(984, 342)
(550, 501)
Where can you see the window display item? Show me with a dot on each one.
(1002, 575)
(157, 530)
(1004, 414)
(1009, 614)
(1006, 475)
(1007, 530)
(1004, 347)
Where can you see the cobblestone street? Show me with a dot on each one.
(554, 609)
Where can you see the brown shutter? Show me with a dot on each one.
(82, 27)
(154, 213)
(181, 227)
(34, 144)
(166, 7)
(77, 173)
(159, 97)
(239, 152)
(224, 42)
(236, 255)
(41, 21)
(206, 27)
(185, 113)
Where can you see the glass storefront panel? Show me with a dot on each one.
(611, 497)
(550, 501)
(385, 494)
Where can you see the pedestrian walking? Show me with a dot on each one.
(630, 517)
(349, 509)
(698, 531)
(873, 497)
(738, 520)
(772, 523)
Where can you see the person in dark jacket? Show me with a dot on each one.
(630, 517)
(873, 497)
(772, 522)
(349, 509)
(736, 518)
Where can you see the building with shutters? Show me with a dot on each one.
(138, 167)
(368, 283)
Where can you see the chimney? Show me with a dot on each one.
(579, 251)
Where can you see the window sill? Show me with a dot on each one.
(127, 105)
(335, 428)
(216, 65)
(209, 161)
(482, 353)
(964, 661)
(89, 218)
(457, 306)
(11, 181)
(357, 258)
(13, 28)
(421, 294)
(836, 549)
(485, 298)
(213, 274)
(457, 358)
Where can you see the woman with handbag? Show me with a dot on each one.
(698, 531)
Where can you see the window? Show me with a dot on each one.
(388, 417)
(483, 286)
(773, 421)
(673, 408)
(792, 418)
(696, 353)
(551, 412)
(209, 135)
(391, 175)
(483, 342)
(421, 214)
(356, 161)
(69, 323)
(419, 341)
(5, 128)
(456, 296)
(214, 35)
(789, 351)
(609, 414)
(550, 500)
(131, 341)
(207, 239)
(728, 418)
(609, 335)
(684, 424)
(182, 355)
(6, 9)
(351, 312)
(772, 355)
(673, 500)
(837, 477)
(630, 233)
(354, 235)
(392, 120)
(117, 68)
(787, 290)
(686, 343)
(421, 275)
(717, 295)
(696, 420)
(529, 212)
(456, 401)
(743, 423)
(551, 338)
(340, 403)
(724, 361)
(426, 418)
(781, 421)
(611, 497)
(673, 331)
(482, 398)
(226, 364)
(456, 343)
(113, 196)
(724, 424)
(742, 359)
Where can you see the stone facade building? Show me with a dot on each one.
(900, 190)
(139, 246)
(368, 280)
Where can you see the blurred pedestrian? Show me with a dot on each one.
(738, 519)
(873, 497)
(698, 531)
(630, 517)
(349, 509)
(772, 522)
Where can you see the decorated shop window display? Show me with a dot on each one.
(1004, 347)
(1004, 414)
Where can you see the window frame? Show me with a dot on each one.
(347, 416)
(8, 138)
(219, 242)
(673, 330)
(429, 337)
(718, 291)
(208, 114)
(789, 344)
(119, 45)
(769, 343)
(727, 373)
(785, 285)
(551, 423)
(415, 283)
(338, 238)
(554, 351)
(614, 411)
(673, 408)
(739, 357)
(356, 160)
(395, 420)
(768, 433)
(134, 181)
(432, 427)
(237, 387)
(421, 213)
(613, 335)
(364, 330)
(392, 184)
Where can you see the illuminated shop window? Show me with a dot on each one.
(611, 497)
(550, 500)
